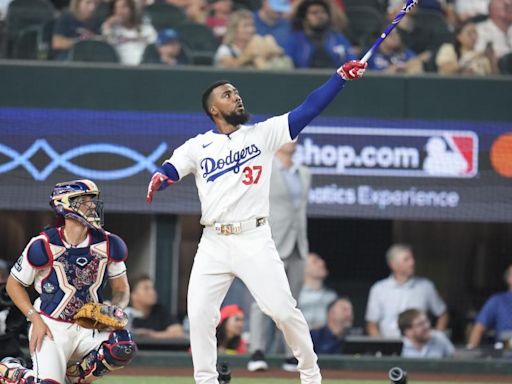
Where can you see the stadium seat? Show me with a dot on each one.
(22, 14)
(199, 41)
(379, 5)
(150, 55)
(93, 51)
(44, 40)
(505, 64)
(430, 31)
(251, 5)
(365, 25)
(162, 15)
(25, 45)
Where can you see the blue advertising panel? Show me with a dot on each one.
(396, 169)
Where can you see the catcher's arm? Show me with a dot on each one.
(120, 291)
(20, 298)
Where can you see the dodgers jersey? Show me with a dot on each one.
(68, 277)
(232, 172)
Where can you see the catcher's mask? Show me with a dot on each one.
(78, 200)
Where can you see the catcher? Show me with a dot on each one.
(73, 337)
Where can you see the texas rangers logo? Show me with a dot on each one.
(212, 169)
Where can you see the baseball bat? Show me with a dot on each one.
(407, 7)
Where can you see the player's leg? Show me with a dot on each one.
(99, 353)
(209, 282)
(294, 267)
(49, 363)
(262, 271)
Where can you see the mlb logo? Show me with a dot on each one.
(452, 154)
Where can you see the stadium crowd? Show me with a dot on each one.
(471, 37)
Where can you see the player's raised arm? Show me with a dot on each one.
(320, 98)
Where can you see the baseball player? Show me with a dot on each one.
(231, 165)
(69, 265)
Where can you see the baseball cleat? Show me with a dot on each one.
(257, 362)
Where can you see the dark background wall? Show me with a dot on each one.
(465, 260)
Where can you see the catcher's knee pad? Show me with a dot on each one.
(114, 353)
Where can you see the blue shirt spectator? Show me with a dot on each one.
(496, 314)
(270, 20)
(340, 317)
(314, 44)
(392, 56)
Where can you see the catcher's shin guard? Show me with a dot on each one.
(114, 353)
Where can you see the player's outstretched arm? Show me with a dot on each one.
(161, 179)
(320, 98)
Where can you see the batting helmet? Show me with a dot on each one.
(69, 199)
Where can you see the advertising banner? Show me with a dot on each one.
(366, 168)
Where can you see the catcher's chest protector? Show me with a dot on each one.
(75, 275)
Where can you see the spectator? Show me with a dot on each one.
(420, 341)
(271, 19)
(496, 32)
(289, 189)
(74, 25)
(340, 317)
(229, 331)
(468, 9)
(218, 17)
(313, 43)
(314, 297)
(12, 322)
(394, 57)
(147, 318)
(196, 11)
(461, 57)
(167, 50)
(126, 32)
(496, 314)
(242, 48)
(4, 6)
(400, 291)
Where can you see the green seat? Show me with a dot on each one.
(199, 41)
(162, 15)
(379, 5)
(93, 51)
(430, 31)
(251, 5)
(365, 25)
(25, 46)
(22, 14)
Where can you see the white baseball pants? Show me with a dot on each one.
(252, 256)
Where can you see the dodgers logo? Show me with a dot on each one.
(215, 168)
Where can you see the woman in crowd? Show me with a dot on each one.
(461, 57)
(229, 331)
(127, 33)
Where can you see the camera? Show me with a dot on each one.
(5, 300)
(397, 375)
(224, 373)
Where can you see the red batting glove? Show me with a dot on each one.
(158, 182)
(352, 70)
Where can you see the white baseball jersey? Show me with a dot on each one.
(232, 172)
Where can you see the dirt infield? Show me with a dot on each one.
(327, 374)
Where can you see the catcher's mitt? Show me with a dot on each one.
(101, 316)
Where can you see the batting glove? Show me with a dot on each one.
(352, 70)
(158, 182)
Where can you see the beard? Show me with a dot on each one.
(236, 119)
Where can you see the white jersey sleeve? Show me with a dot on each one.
(116, 269)
(275, 131)
(183, 160)
(23, 271)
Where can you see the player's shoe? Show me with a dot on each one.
(257, 362)
(11, 370)
(290, 364)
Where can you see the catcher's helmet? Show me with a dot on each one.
(69, 199)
